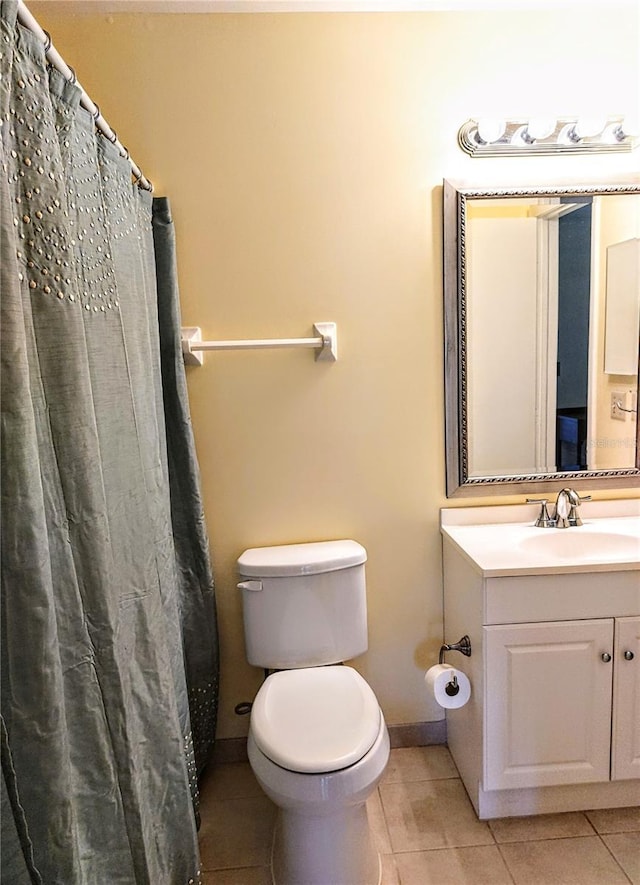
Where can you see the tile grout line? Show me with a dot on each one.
(622, 870)
(506, 865)
(384, 819)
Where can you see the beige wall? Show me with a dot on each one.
(304, 155)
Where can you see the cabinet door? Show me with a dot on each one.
(625, 748)
(548, 703)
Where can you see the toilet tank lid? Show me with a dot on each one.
(301, 559)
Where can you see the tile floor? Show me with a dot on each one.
(427, 832)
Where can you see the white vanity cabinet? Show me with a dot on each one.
(553, 723)
(562, 703)
(625, 733)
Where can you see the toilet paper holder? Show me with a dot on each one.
(464, 647)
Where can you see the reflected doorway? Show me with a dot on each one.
(574, 296)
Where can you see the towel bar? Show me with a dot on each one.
(325, 343)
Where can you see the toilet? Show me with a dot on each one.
(318, 743)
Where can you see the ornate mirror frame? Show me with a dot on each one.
(459, 482)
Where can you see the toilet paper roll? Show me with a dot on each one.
(440, 683)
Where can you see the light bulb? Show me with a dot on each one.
(631, 124)
(490, 130)
(540, 127)
(585, 127)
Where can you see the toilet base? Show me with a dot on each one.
(333, 849)
(322, 830)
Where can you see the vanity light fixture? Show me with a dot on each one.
(540, 135)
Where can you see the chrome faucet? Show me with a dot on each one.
(566, 514)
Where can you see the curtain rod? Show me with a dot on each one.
(54, 58)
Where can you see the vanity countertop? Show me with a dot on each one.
(502, 541)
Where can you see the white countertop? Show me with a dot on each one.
(501, 541)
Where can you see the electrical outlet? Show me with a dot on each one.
(617, 404)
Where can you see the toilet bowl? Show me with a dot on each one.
(318, 744)
(325, 729)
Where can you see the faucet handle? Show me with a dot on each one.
(543, 521)
(576, 500)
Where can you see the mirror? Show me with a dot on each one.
(542, 321)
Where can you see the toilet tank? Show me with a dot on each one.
(304, 604)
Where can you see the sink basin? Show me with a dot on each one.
(579, 543)
(500, 547)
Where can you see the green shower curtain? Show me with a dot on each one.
(109, 649)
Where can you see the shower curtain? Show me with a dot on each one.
(109, 644)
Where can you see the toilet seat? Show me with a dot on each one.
(316, 719)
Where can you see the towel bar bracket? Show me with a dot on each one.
(191, 335)
(328, 352)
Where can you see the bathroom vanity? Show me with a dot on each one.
(553, 723)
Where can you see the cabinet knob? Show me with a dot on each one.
(606, 657)
(628, 655)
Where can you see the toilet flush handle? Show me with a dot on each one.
(250, 585)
